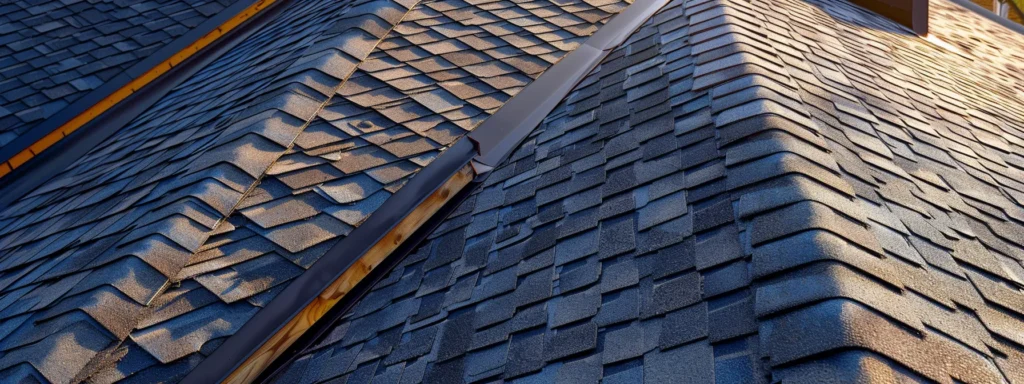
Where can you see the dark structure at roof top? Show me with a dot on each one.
(743, 191)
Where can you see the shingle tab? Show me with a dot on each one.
(753, 184)
(57, 52)
(654, 226)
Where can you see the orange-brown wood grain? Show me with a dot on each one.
(128, 89)
(298, 325)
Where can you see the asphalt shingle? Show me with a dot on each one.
(55, 44)
(744, 185)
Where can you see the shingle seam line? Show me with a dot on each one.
(556, 82)
(233, 364)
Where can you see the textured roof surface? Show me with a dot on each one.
(744, 192)
(385, 123)
(54, 52)
(141, 258)
(86, 253)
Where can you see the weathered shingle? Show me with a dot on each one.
(832, 201)
(137, 214)
(56, 52)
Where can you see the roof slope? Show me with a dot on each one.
(141, 258)
(85, 253)
(745, 191)
(402, 106)
(55, 52)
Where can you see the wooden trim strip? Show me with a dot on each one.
(307, 300)
(130, 88)
(249, 370)
(502, 133)
(326, 324)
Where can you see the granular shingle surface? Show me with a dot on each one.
(98, 249)
(745, 191)
(198, 213)
(54, 52)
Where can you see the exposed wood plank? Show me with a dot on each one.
(277, 344)
(130, 88)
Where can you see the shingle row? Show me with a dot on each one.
(92, 249)
(54, 52)
(743, 192)
(352, 157)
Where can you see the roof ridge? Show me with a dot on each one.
(435, 105)
(293, 245)
(772, 204)
(331, 54)
(216, 181)
(818, 262)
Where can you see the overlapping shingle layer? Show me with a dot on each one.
(54, 52)
(744, 192)
(142, 257)
(404, 104)
(85, 255)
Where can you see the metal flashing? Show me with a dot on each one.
(31, 175)
(478, 152)
(310, 286)
(499, 135)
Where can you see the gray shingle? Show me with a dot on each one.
(675, 293)
(71, 72)
(572, 340)
(523, 357)
(575, 307)
(622, 344)
(725, 179)
(664, 366)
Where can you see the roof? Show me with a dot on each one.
(56, 52)
(775, 190)
(137, 261)
(732, 173)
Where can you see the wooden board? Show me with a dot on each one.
(249, 370)
(133, 86)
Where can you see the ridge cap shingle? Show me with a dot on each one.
(820, 216)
